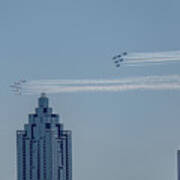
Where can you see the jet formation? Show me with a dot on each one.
(16, 87)
(118, 59)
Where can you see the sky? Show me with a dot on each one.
(131, 135)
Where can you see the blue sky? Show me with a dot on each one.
(125, 135)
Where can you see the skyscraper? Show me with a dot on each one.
(44, 148)
(178, 164)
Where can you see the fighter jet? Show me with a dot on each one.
(14, 87)
(117, 65)
(115, 57)
(117, 61)
(125, 53)
(17, 91)
(23, 81)
(17, 87)
(17, 83)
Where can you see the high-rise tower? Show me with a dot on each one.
(178, 165)
(44, 148)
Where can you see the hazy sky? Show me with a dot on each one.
(127, 135)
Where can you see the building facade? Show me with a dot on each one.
(44, 148)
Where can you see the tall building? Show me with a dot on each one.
(44, 148)
(178, 164)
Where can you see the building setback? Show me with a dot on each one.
(44, 148)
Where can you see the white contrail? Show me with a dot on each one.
(171, 82)
(102, 81)
(151, 58)
(154, 54)
(115, 88)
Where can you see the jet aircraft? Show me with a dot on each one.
(17, 87)
(119, 58)
(125, 53)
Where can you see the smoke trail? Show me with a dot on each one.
(103, 81)
(155, 54)
(104, 85)
(151, 58)
(116, 88)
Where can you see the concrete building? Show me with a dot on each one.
(44, 148)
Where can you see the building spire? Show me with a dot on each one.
(43, 94)
(43, 101)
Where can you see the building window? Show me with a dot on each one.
(48, 125)
(53, 115)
